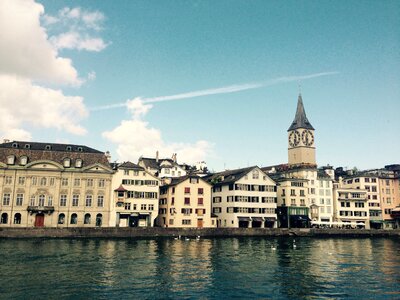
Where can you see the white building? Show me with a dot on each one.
(244, 198)
(135, 194)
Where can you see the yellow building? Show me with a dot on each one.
(135, 196)
(53, 185)
(185, 202)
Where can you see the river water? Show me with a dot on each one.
(242, 268)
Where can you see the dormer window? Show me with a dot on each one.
(48, 147)
(23, 160)
(78, 163)
(69, 148)
(27, 146)
(67, 163)
(80, 149)
(10, 160)
(15, 145)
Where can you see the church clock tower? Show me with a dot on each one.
(301, 138)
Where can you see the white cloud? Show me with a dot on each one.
(74, 40)
(80, 25)
(135, 137)
(25, 49)
(25, 104)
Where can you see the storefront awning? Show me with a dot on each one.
(270, 219)
(244, 219)
(376, 221)
(257, 219)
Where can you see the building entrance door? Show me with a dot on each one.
(39, 220)
(200, 223)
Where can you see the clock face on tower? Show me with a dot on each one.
(307, 137)
(294, 138)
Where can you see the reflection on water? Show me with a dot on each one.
(209, 268)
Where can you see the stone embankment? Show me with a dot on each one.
(155, 232)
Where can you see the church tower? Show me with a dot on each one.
(301, 138)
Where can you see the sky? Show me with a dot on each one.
(213, 81)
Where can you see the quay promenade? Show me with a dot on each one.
(154, 232)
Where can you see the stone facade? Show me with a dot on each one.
(53, 185)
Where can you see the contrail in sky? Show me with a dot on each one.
(221, 90)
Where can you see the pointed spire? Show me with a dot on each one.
(300, 120)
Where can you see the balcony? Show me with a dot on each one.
(40, 209)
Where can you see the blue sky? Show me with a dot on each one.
(159, 48)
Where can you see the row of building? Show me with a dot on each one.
(62, 185)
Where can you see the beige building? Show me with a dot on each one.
(390, 198)
(53, 185)
(351, 207)
(244, 198)
(135, 195)
(186, 202)
(163, 167)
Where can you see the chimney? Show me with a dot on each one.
(108, 156)
(157, 156)
(174, 157)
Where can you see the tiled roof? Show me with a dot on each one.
(300, 120)
(56, 153)
(48, 147)
(228, 176)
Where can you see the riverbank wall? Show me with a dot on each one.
(155, 232)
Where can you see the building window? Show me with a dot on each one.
(187, 201)
(10, 160)
(61, 219)
(173, 201)
(293, 202)
(6, 199)
(34, 180)
(255, 174)
(50, 201)
(77, 182)
(48, 147)
(127, 206)
(33, 200)
(74, 219)
(292, 192)
(186, 222)
(20, 199)
(187, 190)
(151, 206)
(52, 181)
(8, 180)
(41, 200)
(78, 163)
(200, 201)
(64, 181)
(99, 220)
(75, 200)
(302, 202)
(86, 219)
(23, 160)
(143, 207)
(101, 183)
(88, 201)
(63, 200)
(200, 191)
(126, 172)
(100, 201)
(43, 181)
(21, 180)
(67, 163)
(17, 218)
(4, 218)
(89, 182)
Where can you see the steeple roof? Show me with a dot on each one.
(300, 120)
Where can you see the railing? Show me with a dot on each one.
(40, 209)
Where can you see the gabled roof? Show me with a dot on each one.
(178, 180)
(129, 165)
(228, 176)
(300, 120)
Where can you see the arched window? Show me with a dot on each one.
(99, 220)
(4, 218)
(67, 162)
(74, 219)
(23, 160)
(17, 218)
(10, 160)
(61, 219)
(41, 200)
(78, 163)
(87, 219)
